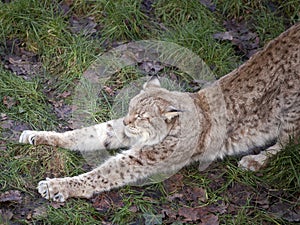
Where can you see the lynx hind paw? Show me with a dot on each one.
(49, 189)
(253, 162)
(28, 137)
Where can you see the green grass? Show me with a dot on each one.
(268, 25)
(119, 20)
(30, 104)
(24, 166)
(74, 212)
(269, 17)
(238, 8)
(287, 10)
(43, 30)
(191, 26)
(41, 27)
(285, 167)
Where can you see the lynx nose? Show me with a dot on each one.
(127, 120)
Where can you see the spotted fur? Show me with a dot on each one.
(255, 106)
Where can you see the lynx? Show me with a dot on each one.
(256, 105)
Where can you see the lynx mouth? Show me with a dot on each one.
(131, 131)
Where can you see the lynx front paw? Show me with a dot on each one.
(53, 189)
(253, 162)
(28, 137)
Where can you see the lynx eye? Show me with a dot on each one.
(142, 117)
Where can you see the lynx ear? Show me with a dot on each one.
(153, 82)
(172, 112)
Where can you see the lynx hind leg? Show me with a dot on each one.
(291, 128)
(256, 162)
(203, 165)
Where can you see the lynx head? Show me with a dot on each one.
(151, 114)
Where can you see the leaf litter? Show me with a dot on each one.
(209, 4)
(11, 129)
(18, 60)
(11, 196)
(184, 203)
(189, 204)
(240, 35)
(85, 26)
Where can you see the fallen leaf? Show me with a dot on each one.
(29, 216)
(3, 145)
(151, 68)
(11, 196)
(57, 205)
(192, 214)
(263, 201)
(224, 36)
(68, 2)
(109, 90)
(38, 212)
(239, 194)
(86, 26)
(175, 196)
(20, 126)
(65, 6)
(5, 216)
(146, 6)
(152, 219)
(107, 201)
(63, 111)
(210, 219)
(65, 94)
(239, 34)
(198, 194)
(9, 102)
(292, 216)
(219, 208)
(20, 61)
(133, 209)
(11, 129)
(285, 210)
(169, 212)
(174, 183)
(209, 4)
(3, 116)
(7, 124)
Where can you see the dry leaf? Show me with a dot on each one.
(11, 196)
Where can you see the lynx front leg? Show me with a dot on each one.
(255, 162)
(118, 171)
(107, 135)
(124, 168)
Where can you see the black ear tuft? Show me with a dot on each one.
(175, 110)
(172, 112)
(153, 82)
